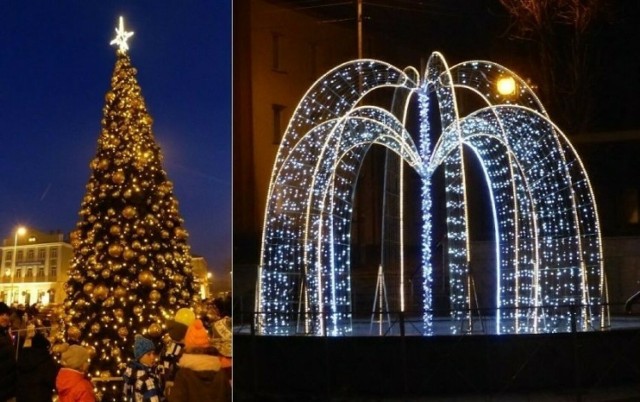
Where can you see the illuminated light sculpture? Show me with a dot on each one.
(549, 274)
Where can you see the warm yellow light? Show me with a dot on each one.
(506, 86)
(21, 230)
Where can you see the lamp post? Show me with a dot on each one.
(19, 232)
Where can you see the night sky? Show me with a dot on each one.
(56, 65)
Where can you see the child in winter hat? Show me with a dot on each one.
(199, 378)
(196, 336)
(142, 346)
(76, 358)
(140, 379)
(71, 382)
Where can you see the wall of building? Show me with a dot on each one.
(39, 269)
(42, 264)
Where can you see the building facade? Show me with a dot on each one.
(34, 267)
(40, 268)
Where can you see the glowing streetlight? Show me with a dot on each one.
(19, 232)
(506, 86)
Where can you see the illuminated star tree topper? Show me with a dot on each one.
(122, 37)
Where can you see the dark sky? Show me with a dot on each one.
(56, 65)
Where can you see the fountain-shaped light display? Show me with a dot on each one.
(548, 272)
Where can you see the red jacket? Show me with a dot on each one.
(73, 386)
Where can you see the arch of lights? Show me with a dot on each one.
(548, 245)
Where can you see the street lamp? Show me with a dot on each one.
(506, 86)
(19, 232)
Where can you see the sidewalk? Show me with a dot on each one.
(618, 394)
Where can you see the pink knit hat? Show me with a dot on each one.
(197, 336)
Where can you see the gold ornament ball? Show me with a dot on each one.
(92, 351)
(118, 177)
(160, 284)
(129, 212)
(109, 302)
(142, 259)
(123, 332)
(105, 374)
(103, 164)
(137, 310)
(180, 233)
(115, 230)
(115, 352)
(154, 330)
(101, 292)
(88, 288)
(136, 245)
(155, 246)
(111, 211)
(140, 231)
(109, 97)
(115, 250)
(164, 234)
(73, 333)
(154, 296)
(129, 254)
(106, 273)
(119, 313)
(172, 300)
(95, 327)
(127, 193)
(145, 278)
(99, 245)
(119, 292)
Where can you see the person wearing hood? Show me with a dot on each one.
(199, 378)
(71, 383)
(37, 371)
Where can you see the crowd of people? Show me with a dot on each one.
(194, 365)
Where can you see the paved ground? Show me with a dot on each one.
(621, 394)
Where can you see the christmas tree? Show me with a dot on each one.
(131, 269)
